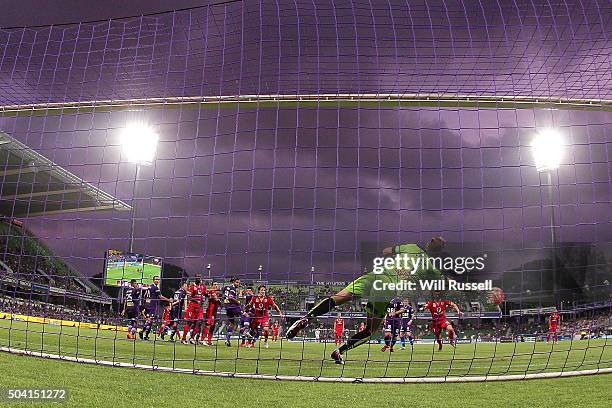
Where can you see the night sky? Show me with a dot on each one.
(293, 188)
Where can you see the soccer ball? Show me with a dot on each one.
(497, 296)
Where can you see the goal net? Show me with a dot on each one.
(301, 145)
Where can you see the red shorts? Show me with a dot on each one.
(193, 311)
(438, 326)
(260, 321)
(338, 334)
(211, 320)
(553, 329)
(276, 333)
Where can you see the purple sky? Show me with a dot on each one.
(291, 188)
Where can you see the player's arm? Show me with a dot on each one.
(165, 299)
(454, 306)
(250, 305)
(280, 313)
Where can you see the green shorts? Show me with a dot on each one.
(371, 286)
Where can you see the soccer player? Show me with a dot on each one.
(378, 299)
(179, 300)
(195, 298)
(261, 305)
(339, 328)
(393, 322)
(406, 328)
(214, 303)
(165, 321)
(553, 326)
(245, 329)
(362, 327)
(247, 295)
(131, 308)
(233, 309)
(151, 297)
(437, 307)
(275, 330)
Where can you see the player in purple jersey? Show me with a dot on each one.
(406, 328)
(151, 297)
(131, 308)
(233, 309)
(393, 321)
(177, 305)
(245, 328)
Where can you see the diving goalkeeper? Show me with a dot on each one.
(378, 299)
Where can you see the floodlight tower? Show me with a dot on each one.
(139, 143)
(547, 148)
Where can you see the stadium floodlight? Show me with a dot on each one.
(547, 149)
(139, 143)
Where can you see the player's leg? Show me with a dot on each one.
(321, 308)
(393, 339)
(255, 332)
(353, 290)
(450, 331)
(438, 335)
(359, 338)
(147, 328)
(205, 331)
(189, 321)
(266, 331)
(243, 334)
(402, 337)
(141, 332)
(410, 337)
(211, 328)
(387, 337)
(230, 328)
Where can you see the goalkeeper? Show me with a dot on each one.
(363, 287)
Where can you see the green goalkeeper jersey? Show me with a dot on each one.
(369, 285)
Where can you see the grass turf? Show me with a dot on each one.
(311, 359)
(97, 386)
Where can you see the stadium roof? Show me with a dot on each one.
(31, 185)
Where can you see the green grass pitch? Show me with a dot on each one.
(127, 386)
(127, 272)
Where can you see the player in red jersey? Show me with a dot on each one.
(261, 305)
(275, 330)
(437, 307)
(195, 297)
(553, 326)
(165, 320)
(214, 303)
(339, 328)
